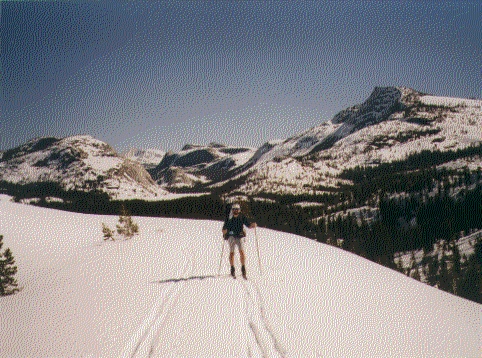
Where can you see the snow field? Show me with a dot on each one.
(158, 294)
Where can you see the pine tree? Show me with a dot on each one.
(456, 269)
(126, 227)
(423, 263)
(432, 269)
(470, 285)
(399, 266)
(444, 279)
(413, 271)
(416, 274)
(478, 252)
(8, 283)
(473, 274)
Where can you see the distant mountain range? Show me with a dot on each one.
(392, 124)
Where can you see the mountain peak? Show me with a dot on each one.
(378, 106)
(404, 91)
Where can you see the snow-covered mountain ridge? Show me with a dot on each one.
(393, 123)
(196, 164)
(80, 163)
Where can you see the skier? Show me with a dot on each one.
(234, 232)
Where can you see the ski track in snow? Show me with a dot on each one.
(268, 345)
(260, 339)
(146, 340)
(153, 324)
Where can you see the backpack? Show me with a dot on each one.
(227, 211)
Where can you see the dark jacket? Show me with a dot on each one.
(235, 226)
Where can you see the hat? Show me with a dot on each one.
(236, 206)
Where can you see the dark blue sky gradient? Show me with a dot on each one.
(160, 74)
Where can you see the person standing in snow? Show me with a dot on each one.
(233, 231)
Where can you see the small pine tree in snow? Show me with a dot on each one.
(424, 265)
(126, 227)
(415, 274)
(108, 233)
(8, 283)
(414, 271)
(456, 270)
(470, 284)
(413, 265)
(399, 266)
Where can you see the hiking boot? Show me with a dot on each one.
(232, 271)
(243, 271)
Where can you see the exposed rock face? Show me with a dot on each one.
(379, 106)
(391, 124)
(200, 165)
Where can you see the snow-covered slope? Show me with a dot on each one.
(78, 163)
(149, 158)
(158, 295)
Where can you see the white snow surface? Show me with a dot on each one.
(158, 294)
(146, 157)
(451, 101)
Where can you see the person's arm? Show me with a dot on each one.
(225, 227)
(249, 224)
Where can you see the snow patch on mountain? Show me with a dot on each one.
(451, 101)
(196, 164)
(149, 158)
(393, 123)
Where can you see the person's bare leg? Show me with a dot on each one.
(231, 262)
(231, 258)
(243, 268)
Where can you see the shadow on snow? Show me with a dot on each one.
(175, 280)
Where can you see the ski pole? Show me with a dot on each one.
(221, 259)
(259, 257)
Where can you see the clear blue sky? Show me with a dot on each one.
(159, 74)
